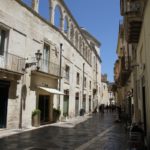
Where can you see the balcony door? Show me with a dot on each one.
(46, 57)
(2, 47)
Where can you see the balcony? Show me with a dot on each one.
(125, 71)
(11, 62)
(132, 7)
(133, 16)
(47, 67)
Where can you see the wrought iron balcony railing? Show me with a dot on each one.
(12, 62)
(49, 67)
(129, 7)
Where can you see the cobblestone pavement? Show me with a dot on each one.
(96, 133)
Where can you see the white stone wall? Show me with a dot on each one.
(143, 55)
(105, 94)
(27, 34)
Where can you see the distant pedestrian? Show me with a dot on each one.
(101, 109)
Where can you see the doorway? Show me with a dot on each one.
(44, 106)
(84, 102)
(77, 104)
(4, 89)
(90, 103)
(66, 105)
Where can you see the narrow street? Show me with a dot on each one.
(96, 133)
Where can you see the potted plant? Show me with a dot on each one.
(56, 114)
(36, 117)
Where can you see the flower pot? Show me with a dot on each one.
(36, 120)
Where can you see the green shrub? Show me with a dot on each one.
(36, 112)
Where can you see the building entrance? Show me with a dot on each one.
(89, 103)
(66, 103)
(4, 89)
(77, 104)
(44, 106)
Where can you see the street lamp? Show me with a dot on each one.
(38, 55)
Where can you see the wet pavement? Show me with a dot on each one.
(97, 133)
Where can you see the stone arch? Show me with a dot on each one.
(58, 16)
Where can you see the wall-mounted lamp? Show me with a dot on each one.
(38, 56)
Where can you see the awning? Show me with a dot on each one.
(53, 91)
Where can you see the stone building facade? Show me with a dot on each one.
(44, 65)
(133, 80)
(104, 90)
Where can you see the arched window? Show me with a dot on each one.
(66, 25)
(58, 17)
(44, 9)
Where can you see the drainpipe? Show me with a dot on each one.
(96, 85)
(82, 85)
(60, 72)
(20, 114)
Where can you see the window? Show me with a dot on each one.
(84, 82)
(46, 52)
(67, 70)
(78, 78)
(46, 57)
(90, 85)
(77, 96)
(2, 41)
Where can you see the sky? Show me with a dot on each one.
(101, 19)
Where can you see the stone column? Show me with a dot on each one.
(52, 12)
(62, 24)
(35, 5)
(68, 33)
